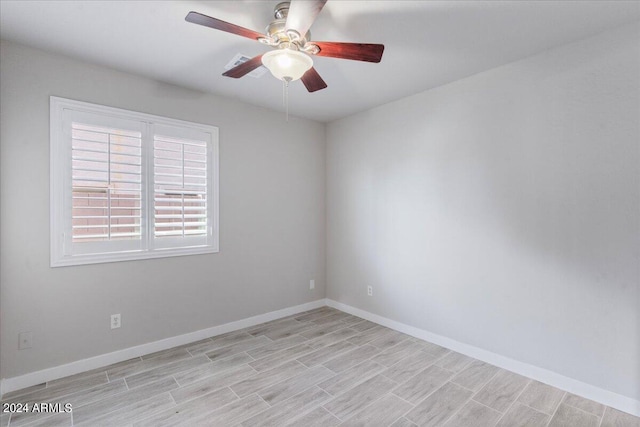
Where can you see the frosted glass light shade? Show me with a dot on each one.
(287, 64)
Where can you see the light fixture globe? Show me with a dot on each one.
(287, 64)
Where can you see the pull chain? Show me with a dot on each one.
(285, 96)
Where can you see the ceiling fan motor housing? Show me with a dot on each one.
(277, 34)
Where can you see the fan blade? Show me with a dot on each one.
(312, 80)
(356, 51)
(302, 13)
(244, 68)
(207, 21)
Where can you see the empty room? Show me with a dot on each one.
(320, 213)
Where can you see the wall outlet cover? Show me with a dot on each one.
(25, 340)
(115, 321)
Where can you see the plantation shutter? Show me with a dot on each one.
(106, 166)
(106, 179)
(181, 175)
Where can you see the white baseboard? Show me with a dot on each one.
(27, 380)
(614, 400)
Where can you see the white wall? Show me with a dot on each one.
(271, 219)
(502, 211)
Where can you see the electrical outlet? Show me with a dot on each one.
(115, 321)
(370, 291)
(25, 340)
(312, 284)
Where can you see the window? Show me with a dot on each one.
(127, 185)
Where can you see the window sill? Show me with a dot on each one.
(85, 259)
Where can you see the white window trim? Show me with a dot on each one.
(60, 176)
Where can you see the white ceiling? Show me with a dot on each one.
(427, 43)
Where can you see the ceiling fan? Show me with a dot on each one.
(289, 35)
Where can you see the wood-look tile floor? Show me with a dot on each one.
(318, 368)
